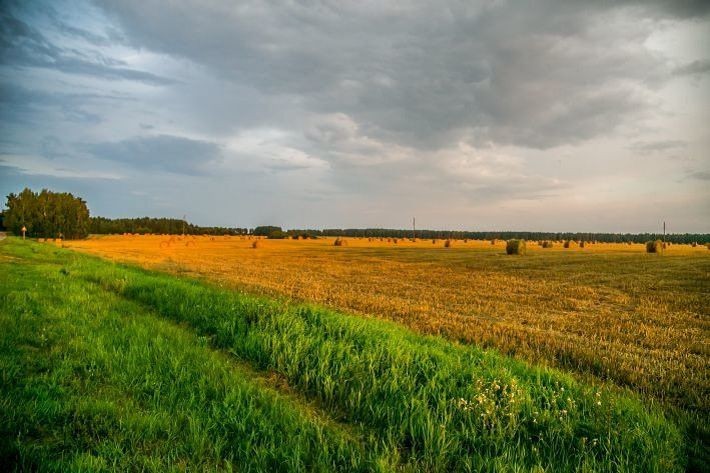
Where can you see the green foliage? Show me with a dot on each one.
(161, 226)
(47, 214)
(266, 230)
(417, 403)
(515, 247)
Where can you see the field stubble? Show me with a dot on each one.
(611, 310)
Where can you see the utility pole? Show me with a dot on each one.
(664, 235)
(414, 228)
(184, 219)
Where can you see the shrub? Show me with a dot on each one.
(654, 246)
(515, 247)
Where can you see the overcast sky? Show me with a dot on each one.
(495, 115)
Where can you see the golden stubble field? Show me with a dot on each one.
(640, 320)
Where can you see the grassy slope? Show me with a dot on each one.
(169, 397)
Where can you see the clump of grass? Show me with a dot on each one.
(654, 246)
(515, 247)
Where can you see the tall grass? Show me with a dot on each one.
(431, 404)
(92, 382)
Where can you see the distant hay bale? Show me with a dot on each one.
(448, 244)
(395, 241)
(581, 243)
(654, 246)
(694, 244)
(547, 244)
(340, 242)
(433, 241)
(256, 244)
(570, 244)
(465, 240)
(515, 247)
(494, 241)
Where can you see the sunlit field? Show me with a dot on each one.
(111, 367)
(609, 310)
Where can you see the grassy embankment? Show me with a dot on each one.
(111, 367)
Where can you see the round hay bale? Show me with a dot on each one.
(570, 244)
(494, 241)
(694, 244)
(515, 247)
(433, 241)
(547, 244)
(340, 242)
(256, 244)
(581, 243)
(448, 244)
(654, 246)
(395, 241)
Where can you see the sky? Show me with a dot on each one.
(493, 115)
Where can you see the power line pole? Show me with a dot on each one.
(184, 219)
(414, 228)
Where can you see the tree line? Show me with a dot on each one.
(48, 214)
(147, 225)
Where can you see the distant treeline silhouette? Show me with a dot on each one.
(143, 225)
(61, 215)
(506, 235)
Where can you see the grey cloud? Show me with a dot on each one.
(162, 152)
(424, 75)
(24, 46)
(700, 175)
(646, 147)
(693, 68)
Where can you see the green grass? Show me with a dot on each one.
(109, 367)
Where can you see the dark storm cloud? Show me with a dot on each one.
(23, 45)
(163, 152)
(537, 74)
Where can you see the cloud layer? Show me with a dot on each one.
(469, 115)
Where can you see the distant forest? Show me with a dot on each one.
(48, 214)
